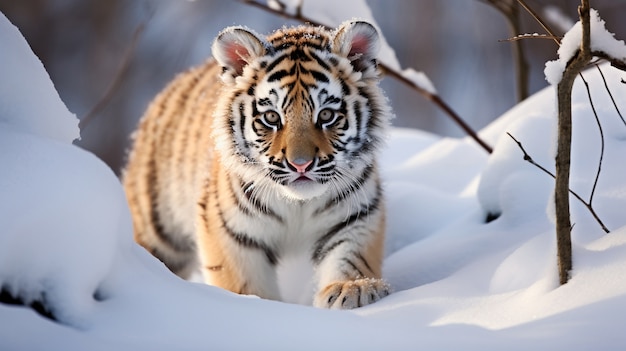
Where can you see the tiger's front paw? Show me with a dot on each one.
(352, 293)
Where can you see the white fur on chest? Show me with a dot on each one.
(294, 240)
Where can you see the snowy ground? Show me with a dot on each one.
(461, 282)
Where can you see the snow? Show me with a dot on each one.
(419, 79)
(461, 282)
(601, 40)
(26, 91)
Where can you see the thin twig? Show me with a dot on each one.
(530, 160)
(436, 99)
(538, 18)
(116, 81)
(606, 86)
(510, 10)
(388, 71)
(530, 36)
(593, 108)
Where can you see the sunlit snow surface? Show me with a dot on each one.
(461, 283)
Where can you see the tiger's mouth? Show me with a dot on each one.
(304, 187)
(302, 179)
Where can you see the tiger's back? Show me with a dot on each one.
(170, 158)
(268, 152)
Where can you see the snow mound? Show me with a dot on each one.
(57, 220)
(470, 246)
(28, 100)
(62, 208)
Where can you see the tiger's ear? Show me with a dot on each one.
(235, 47)
(359, 42)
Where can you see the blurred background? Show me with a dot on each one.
(84, 45)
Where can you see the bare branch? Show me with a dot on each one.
(539, 20)
(510, 11)
(606, 86)
(436, 99)
(388, 71)
(593, 108)
(617, 63)
(564, 145)
(530, 36)
(530, 160)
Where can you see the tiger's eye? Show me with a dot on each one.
(326, 115)
(271, 118)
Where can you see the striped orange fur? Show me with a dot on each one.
(265, 152)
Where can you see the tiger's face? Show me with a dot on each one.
(304, 110)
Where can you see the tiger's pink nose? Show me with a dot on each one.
(300, 164)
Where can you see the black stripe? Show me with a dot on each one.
(345, 88)
(318, 256)
(248, 242)
(332, 99)
(168, 239)
(265, 102)
(319, 253)
(287, 101)
(308, 99)
(275, 63)
(299, 55)
(176, 266)
(345, 193)
(256, 203)
(319, 76)
(242, 120)
(278, 75)
(358, 116)
(237, 199)
(319, 60)
(360, 257)
(242, 238)
(351, 264)
(290, 88)
(251, 89)
(183, 246)
(284, 43)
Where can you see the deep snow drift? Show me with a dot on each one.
(461, 282)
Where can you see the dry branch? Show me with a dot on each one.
(606, 86)
(564, 146)
(539, 20)
(587, 204)
(531, 36)
(595, 114)
(510, 10)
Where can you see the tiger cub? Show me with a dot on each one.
(266, 152)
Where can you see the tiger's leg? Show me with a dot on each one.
(237, 264)
(350, 275)
(171, 246)
(230, 257)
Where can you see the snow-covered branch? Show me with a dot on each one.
(601, 44)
